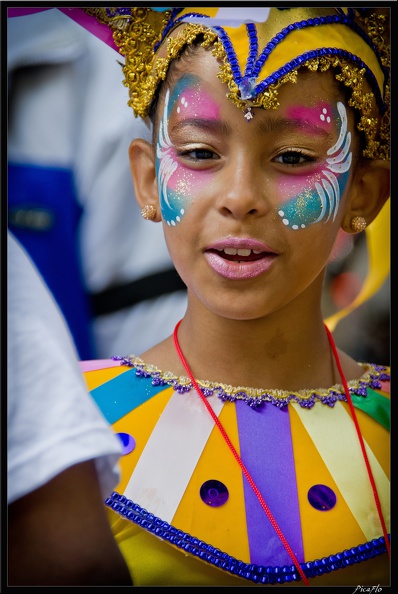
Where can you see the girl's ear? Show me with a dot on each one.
(369, 191)
(143, 171)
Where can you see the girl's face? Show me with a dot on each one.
(251, 206)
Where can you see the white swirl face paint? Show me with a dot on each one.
(165, 167)
(320, 198)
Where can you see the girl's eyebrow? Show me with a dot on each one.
(209, 124)
(264, 126)
(278, 124)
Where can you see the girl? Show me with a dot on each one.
(256, 452)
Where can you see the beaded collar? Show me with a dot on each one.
(255, 397)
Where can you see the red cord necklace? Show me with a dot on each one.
(248, 475)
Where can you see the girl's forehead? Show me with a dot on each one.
(197, 79)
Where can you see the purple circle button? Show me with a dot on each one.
(128, 442)
(214, 493)
(322, 497)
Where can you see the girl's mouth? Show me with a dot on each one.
(240, 255)
(239, 258)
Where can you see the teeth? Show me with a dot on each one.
(235, 252)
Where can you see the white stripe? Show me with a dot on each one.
(329, 191)
(179, 436)
(343, 129)
(322, 196)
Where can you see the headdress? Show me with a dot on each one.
(261, 49)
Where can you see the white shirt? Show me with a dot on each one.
(52, 421)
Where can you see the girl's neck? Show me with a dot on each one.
(257, 353)
(261, 353)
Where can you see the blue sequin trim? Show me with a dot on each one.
(256, 573)
(173, 22)
(373, 380)
(253, 65)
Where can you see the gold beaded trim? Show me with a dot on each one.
(371, 374)
(136, 36)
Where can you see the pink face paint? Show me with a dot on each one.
(319, 197)
(177, 183)
(195, 103)
(320, 116)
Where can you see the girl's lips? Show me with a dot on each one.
(239, 258)
(240, 243)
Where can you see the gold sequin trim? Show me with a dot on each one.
(371, 374)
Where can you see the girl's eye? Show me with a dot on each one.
(294, 158)
(198, 154)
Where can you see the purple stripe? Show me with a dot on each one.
(267, 430)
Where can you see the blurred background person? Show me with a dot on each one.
(70, 194)
(62, 454)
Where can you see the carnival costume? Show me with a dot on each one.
(301, 448)
(189, 508)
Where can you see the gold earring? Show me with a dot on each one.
(148, 212)
(358, 224)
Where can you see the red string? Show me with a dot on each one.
(240, 461)
(365, 456)
(248, 475)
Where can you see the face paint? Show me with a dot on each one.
(171, 204)
(176, 182)
(322, 201)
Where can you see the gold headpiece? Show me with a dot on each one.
(258, 57)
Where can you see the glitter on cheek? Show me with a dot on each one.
(187, 182)
(301, 210)
(174, 191)
(182, 187)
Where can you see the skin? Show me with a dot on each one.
(59, 535)
(234, 177)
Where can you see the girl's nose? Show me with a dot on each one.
(242, 191)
